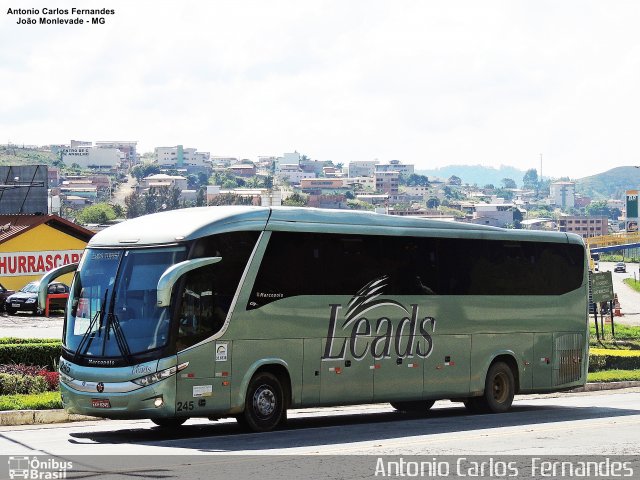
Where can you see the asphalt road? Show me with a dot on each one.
(629, 299)
(592, 423)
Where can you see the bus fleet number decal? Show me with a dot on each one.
(185, 406)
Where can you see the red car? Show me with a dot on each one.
(4, 293)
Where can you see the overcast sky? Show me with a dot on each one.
(425, 82)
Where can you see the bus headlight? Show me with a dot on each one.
(161, 375)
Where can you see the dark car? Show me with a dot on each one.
(620, 267)
(26, 299)
(4, 293)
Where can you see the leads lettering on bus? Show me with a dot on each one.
(410, 337)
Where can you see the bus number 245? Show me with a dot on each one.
(184, 406)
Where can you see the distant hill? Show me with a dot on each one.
(477, 174)
(610, 184)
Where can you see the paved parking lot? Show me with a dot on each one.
(25, 325)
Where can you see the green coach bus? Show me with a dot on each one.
(249, 311)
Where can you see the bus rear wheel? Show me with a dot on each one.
(168, 422)
(499, 390)
(264, 407)
(419, 406)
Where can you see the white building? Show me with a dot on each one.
(366, 183)
(91, 157)
(287, 158)
(128, 152)
(494, 214)
(161, 180)
(417, 190)
(362, 169)
(180, 157)
(563, 194)
(396, 166)
(292, 173)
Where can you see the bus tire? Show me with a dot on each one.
(499, 390)
(169, 422)
(419, 406)
(264, 407)
(10, 310)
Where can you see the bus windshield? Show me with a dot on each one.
(113, 302)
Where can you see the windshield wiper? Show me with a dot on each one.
(85, 338)
(121, 340)
(114, 323)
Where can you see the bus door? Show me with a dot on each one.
(204, 385)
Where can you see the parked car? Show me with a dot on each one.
(620, 267)
(26, 300)
(4, 293)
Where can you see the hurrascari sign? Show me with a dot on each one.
(15, 264)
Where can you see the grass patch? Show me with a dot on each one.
(614, 376)
(42, 401)
(632, 283)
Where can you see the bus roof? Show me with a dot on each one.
(192, 223)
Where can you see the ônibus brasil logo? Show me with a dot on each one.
(408, 337)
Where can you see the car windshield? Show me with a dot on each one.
(30, 288)
(113, 302)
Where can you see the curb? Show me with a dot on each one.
(40, 417)
(43, 417)
(597, 387)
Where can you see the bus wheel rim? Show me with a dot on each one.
(264, 401)
(500, 387)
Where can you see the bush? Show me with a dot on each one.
(46, 354)
(4, 340)
(606, 359)
(52, 379)
(21, 369)
(11, 384)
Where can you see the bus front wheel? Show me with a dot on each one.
(264, 407)
(168, 422)
(499, 390)
(420, 406)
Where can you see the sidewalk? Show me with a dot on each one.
(42, 417)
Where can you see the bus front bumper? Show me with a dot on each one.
(153, 401)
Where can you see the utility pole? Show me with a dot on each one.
(540, 167)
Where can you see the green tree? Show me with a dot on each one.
(433, 203)
(230, 199)
(143, 170)
(296, 200)
(118, 210)
(530, 179)
(508, 183)
(415, 180)
(598, 208)
(98, 213)
(135, 205)
(453, 180)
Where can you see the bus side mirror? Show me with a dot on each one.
(50, 276)
(171, 275)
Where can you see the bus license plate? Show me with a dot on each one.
(100, 403)
(15, 305)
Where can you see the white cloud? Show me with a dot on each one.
(428, 82)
